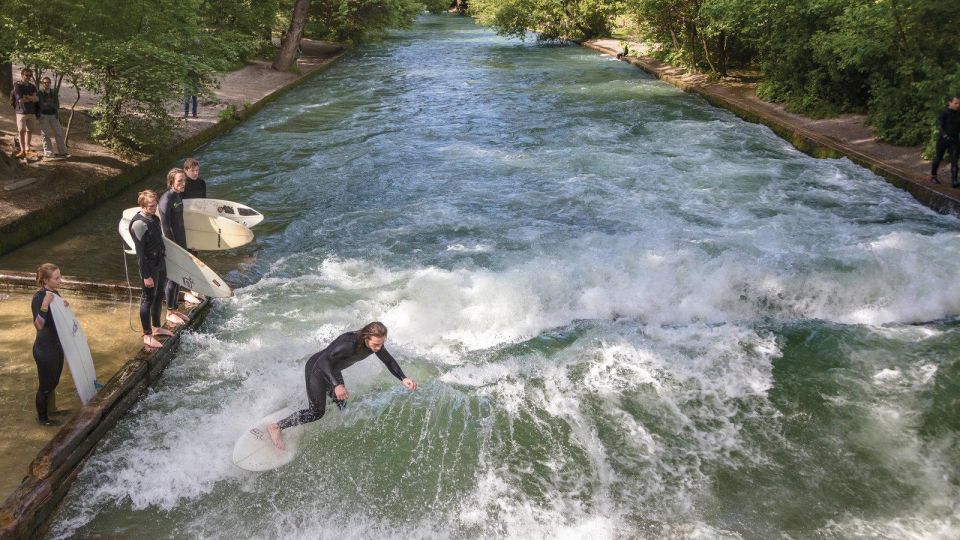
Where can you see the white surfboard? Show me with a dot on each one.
(213, 233)
(75, 349)
(255, 451)
(204, 232)
(182, 267)
(242, 214)
(190, 272)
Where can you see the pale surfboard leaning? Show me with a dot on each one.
(190, 272)
(75, 349)
(182, 267)
(242, 214)
(204, 232)
(255, 451)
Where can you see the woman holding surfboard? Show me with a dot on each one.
(47, 351)
(324, 377)
(171, 221)
(148, 244)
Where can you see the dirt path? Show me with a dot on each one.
(846, 135)
(93, 165)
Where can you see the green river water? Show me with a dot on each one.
(631, 315)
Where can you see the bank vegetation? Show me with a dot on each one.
(141, 57)
(894, 60)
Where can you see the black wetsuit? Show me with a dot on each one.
(196, 189)
(948, 128)
(148, 242)
(324, 372)
(47, 352)
(170, 210)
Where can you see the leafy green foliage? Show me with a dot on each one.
(356, 21)
(551, 19)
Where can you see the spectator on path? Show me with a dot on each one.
(171, 222)
(47, 350)
(948, 140)
(49, 104)
(191, 89)
(148, 244)
(25, 105)
(196, 187)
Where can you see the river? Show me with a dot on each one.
(630, 314)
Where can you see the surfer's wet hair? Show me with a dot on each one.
(144, 196)
(44, 272)
(172, 175)
(374, 329)
(190, 163)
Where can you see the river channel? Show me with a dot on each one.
(631, 315)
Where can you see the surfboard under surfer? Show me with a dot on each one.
(324, 375)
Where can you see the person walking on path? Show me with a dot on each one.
(324, 375)
(49, 105)
(148, 244)
(25, 106)
(171, 221)
(948, 140)
(47, 350)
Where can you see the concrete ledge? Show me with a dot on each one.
(44, 221)
(805, 140)
(11, 280)
(26, 511)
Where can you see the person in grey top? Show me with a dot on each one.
(49, 103)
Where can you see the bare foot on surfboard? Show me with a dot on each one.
(276, 436)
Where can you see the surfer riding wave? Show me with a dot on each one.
(324, 375)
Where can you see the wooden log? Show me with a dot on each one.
(115, 290)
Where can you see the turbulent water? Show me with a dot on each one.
(631, 315)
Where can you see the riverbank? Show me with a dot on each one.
(59, 191)
(843, 136)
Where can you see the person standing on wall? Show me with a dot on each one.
(948, 140)
(49, 104)
(47, 350)
(25, 106)
(196, 189)
(171, 221)
(148, 244)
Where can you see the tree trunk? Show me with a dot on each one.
(73, 110)
(6, 79)
(288, 49)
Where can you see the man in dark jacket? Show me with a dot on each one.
(24, 98)
(948, 140)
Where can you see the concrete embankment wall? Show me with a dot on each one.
(805, 140)
(26, 512)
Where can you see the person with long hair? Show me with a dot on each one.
(47, 350)
(173, 227)
(148, 244)
(324, 375)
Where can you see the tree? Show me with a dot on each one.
(291, 43)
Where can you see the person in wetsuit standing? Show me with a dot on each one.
(196, 187)
(47, 350)
(171, 221)
(148, 244)
(324, 375)
(948, 140)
